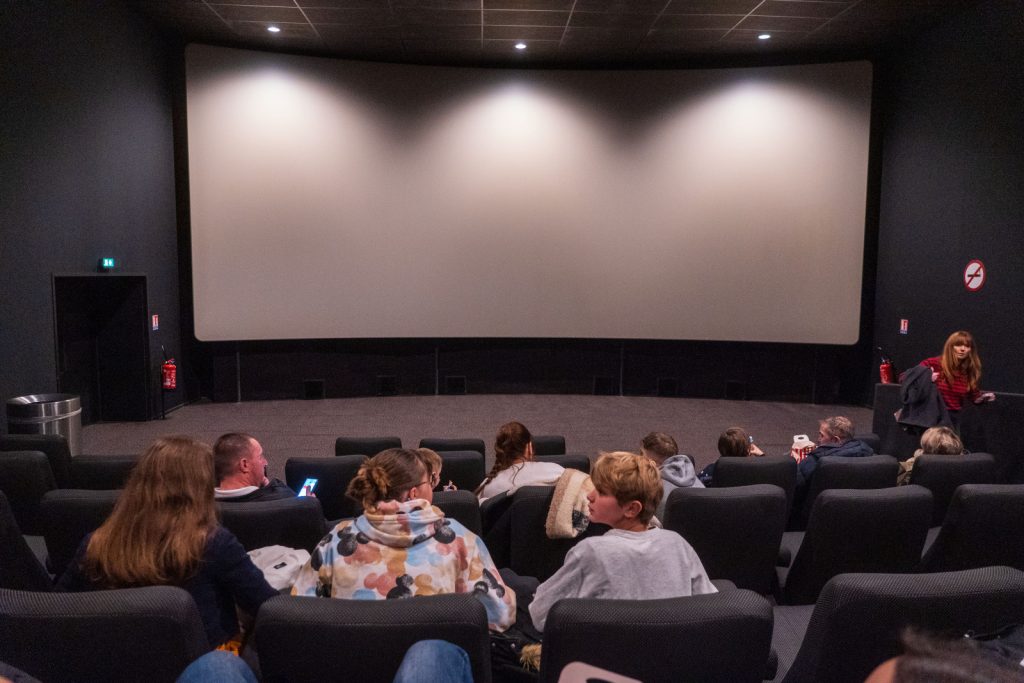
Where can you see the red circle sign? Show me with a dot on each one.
(974, 275)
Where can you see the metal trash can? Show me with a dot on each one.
(47, 414)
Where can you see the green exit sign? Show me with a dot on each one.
(107, 263)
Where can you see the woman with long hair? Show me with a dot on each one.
(514, 466)
(164, 531)
(402, 546)
(957, 373)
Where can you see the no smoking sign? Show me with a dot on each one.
(974, 275)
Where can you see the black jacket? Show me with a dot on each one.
(923, 406)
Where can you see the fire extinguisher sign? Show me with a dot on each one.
(974, 275)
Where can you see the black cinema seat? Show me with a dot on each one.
(858, 619)
(131, 634)
(291, 522)
(100, 472)
(870, 472)
(548, 444)
(301, 638)
(25, 477)
(453, 445)
(570, 461)
(54, 446)
(19, 568)
(767, 469)
(333, 476)
(984, 526)
(68, 516)
(880, 530)
(942, 474)
(722, 637)
(465, 469)
(365, 445)
(736, 531)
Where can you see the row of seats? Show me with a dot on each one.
(152, 633)
(547, 444)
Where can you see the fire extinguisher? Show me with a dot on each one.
(169, 375)
(885, 370)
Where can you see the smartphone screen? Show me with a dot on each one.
(308, 486)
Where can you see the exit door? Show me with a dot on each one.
(103, 345)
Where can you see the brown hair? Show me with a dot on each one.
(734, 443)
(159, 527)
(510, 445)
(969, 366)
(929, 659)
(386, 476)
(629, 477)
(227, 451)
(661, 444)
(941, 441)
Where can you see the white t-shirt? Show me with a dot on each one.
(527, 473)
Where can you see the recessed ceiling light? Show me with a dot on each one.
(520, 46)
(764, 36)
(274, 29)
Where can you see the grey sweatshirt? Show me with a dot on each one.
(624, 565)
(676, 472)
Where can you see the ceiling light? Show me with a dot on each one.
(764, 36)
(520, 46)
(274, 29)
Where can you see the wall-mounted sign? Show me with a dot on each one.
(904, 325)
(974, 275)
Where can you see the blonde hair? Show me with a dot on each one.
(432, 462)
(629, 477)
(158, 530)
(941, 441)
(969, 366)
(387, 475)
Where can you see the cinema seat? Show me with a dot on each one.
(301, 638)
(453, 445)
(333, 476)
(365, 445)
(722, 637)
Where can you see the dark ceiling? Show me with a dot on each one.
(569, 33)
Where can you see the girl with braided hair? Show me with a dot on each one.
(402, 546)
(514, 466)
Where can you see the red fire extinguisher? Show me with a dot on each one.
(169, 375)
(885, 369)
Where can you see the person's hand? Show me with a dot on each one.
(985, 397)
(935, 376)
(450, 486)
(755, 451)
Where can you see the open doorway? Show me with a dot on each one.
(103, 344)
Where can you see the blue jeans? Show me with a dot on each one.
(217, 666)
(435, 661)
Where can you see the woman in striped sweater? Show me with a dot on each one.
(957, 373)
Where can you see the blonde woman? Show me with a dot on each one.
(934, 441)
(164, 532)
(402, 546)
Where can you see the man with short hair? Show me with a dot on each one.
(676, 470)
(241, 471)
(835, 438)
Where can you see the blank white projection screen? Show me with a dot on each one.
(336, 199)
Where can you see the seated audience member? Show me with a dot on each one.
(433, 462)
(242, 471)
(734, 442)
(164, 531)
(402, 546)
(930, 659)
(631, 561)
(934, 441)
(835, 439)
(676, 470)
(514, 466)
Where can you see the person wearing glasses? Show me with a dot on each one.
(402, 546)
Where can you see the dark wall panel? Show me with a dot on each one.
(953, 190)
(87, 170)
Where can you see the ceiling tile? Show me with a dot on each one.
(516, 33)
(495, 17)
(609, 19)
(691, 21)
(801, 8)
(433, 17)
(758, 23)
(250, 13)
(711, 6)
(352, 17)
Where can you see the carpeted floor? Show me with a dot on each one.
(589, 423)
